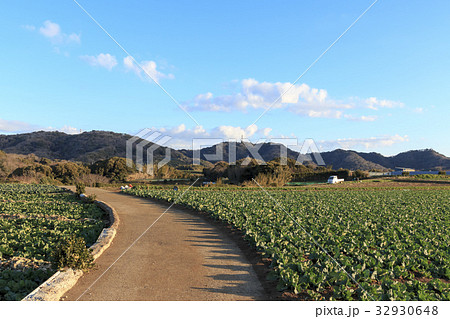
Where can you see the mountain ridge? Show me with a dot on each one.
(93, 146)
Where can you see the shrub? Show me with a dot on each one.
(68, 172)
(405, 173)
(442, 173)
(92, 198)
(47, 180)
(32, 170)
(80, 189)
(277, 177)
(72, 253)
(114, 168)
(360, 174)
(218, 171)
(45, 161)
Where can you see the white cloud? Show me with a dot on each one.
(418, 110)
(50, 29)
(23, 127)
(29, 27)
(148, 66)
(374, 103)
(53, 32)
(180, 129)
(73, 37)
(232, 132)
(267, 131)
(65, 129)
(16, 126)
(363, 118)
(367, 143)
(69, 130)
(300, 99)
(103, 60)
(182, 137)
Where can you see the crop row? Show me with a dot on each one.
(394, 243)
(33, 220)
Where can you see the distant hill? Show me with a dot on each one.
(267, 151)
(93, 146)
(351, 160)
(87, 147)
(419, 160)
(427, 159)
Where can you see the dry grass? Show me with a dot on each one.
(9, 162)
(25, 179)
(91, 180)
(138, 176)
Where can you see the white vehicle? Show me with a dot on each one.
(334, 180)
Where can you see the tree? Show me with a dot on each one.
(360, 174)
(114, 168)
(68, 172)
(218, 171)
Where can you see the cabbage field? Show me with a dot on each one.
(33, 220)
(395, 243)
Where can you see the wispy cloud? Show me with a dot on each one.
(375, 104)
(103, 60)
(182, 136)
(17, 127)
(50, 29)
(29, 27)
(365, 143)
(300, 99)
(362, 118)
(54, 33)
(7, 126)
(65, 129)
(150, 68)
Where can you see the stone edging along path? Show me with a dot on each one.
(62, 281)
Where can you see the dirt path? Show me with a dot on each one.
(181, 257)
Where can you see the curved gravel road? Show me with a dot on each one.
(181, 257)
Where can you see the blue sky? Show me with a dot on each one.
(383, 87)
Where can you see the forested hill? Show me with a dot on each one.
(87, 147)
(93, 146)
(427, 159)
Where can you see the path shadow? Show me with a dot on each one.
(227, 265)
(231, 273)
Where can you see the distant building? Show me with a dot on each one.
(404, 169)
(372, 174)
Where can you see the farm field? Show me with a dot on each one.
(393, 241)
(33, 220)
(430, 177)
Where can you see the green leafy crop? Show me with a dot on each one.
(394, 243)
(34, 220)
